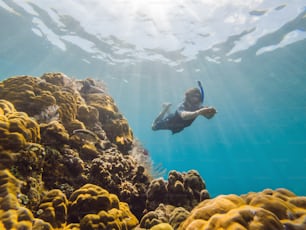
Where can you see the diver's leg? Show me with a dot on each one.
(165, 109)
(166, 106)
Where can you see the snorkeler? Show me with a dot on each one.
(186, 113)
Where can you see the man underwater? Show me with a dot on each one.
(186, 113)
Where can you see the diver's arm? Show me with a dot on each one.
(207, 112)
(187, 115)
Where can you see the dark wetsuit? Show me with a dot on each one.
(174, 122)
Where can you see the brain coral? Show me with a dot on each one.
(162, 226)
(270, 209)
(75, 123)
(25, 88)
(12, 214)
(164, 214)
(95, 208)
(54, 96)
(115, 125)
(89, 207)
(50, 97)
(83, 139)
(16, 128)
(54, 208)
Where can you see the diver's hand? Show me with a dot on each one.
(207, 112)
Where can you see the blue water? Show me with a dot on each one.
(253, 71)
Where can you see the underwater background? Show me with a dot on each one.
(249, 55)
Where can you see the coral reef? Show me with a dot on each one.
(67, 134)
(12, 214)
(89, 207)
(95, 208)
(182, 189)
(102, 106)
(164, 214)
(54, 208)
(269, 209)
(16, 128)
(69, 160)
(121, 175)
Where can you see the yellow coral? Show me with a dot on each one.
(115, 125)
(6, 107)
(162, 226)
(12, 215)
(54, 133)
(88, 151)
(21, 123)
(54, 208)
(210, 207)
(270, 209)
(52, 89)
(25, 88)
(88, 114)
(16, 128)
(244, 217)
(95, 208)
(56, 90)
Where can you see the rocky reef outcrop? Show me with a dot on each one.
(69, 160)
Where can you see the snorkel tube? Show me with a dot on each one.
(202, 91)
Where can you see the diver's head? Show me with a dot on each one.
(193, 96)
